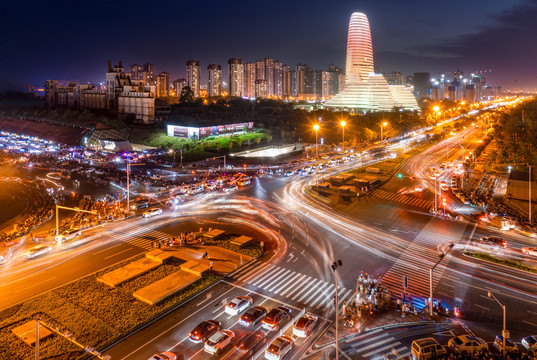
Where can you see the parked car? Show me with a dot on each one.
(152, 212)
(37, 250)
(68, 235)
(279, 348)
(530, 251)
(276, 317)
(253, 316)
(304, 326)
(166, 355)
(530, 343)
(219, 341)
(238, 305)
(509, 345)
(467, 344)
(204, 330)
(427, 348)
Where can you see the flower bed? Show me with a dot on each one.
(93, 312)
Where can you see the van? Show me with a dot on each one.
(427, 348)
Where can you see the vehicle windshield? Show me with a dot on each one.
(302, 322)
(457, 341)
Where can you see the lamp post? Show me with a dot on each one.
(381, 128)
(172, 151)
(128, 182)
(431, 278)
(343, 123)
(436, 108)
(316, 128)
(335, 266)
(529, 193)
(504, 331)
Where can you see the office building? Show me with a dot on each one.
(214, 84)
(394, 78)
(278, 79)
(235, 70)
(422, 85)
(193, 76)
(364, 89)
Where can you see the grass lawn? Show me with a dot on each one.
(93, 312)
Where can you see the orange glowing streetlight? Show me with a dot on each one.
(316, 128)
(381, 129)
(343, 123)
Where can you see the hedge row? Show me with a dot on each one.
(506, 262)
(94, 313)
(252, 249)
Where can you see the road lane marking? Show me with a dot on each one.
(530, 323)
(397, 343)
(286, 283)
(35, 284)
(482, 307)
(111, 247)
(108, 257)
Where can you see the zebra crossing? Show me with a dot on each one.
(142, 237)
(415, 262)
(374, 347)
(295, 286)
(404, 199)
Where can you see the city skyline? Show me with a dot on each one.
(472, 41)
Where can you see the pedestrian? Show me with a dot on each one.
(241, 260)
(211, 265)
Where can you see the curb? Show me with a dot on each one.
(388, 326)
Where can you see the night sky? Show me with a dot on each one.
(73, 40)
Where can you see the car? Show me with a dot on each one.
(251, 342)
(152, 212)
(238, 305)
(530, 343)
(68, 235)
(494, 241)
(279, 348)
(219, 341)
(530, 250)
(253, 316)
(427, 348)
(140, 204)
(304, 326)
(418, 189)
(230, 188)
(276, 317)
(166, 355)
(37, 250)
(288, 173)
(467, 344)
(204, 330)
(509, 345)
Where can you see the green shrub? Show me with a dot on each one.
(506, 262)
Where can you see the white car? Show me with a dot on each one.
(279, 348)
(530, 343)
(152, 212)
(166, 355)
(238, 305)
(37, 250)
(467, 344)
(219, 341)
(530, 251)
(304, 326)
(68, 235)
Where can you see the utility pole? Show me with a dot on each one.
(529, 191)
(505, 333)
(68, 208)
(128, 181)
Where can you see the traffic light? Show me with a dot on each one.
(399, 176)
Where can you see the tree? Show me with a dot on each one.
(187, 95)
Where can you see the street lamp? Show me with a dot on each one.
(343, 123)
(505, 334)
(442, 255)
(381, 128)
(316, 128)
(436, 108)
(172, 151)
(335, 266)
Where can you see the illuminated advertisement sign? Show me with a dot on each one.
(187, 132)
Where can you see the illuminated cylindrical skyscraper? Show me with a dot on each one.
(359, 49)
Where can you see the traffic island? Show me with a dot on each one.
(129, 271)
(27, 332)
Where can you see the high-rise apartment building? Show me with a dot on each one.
(193, 76)
(269, 75)
(394, 78)
(235, 70)
(214, 85)
(278, 79)
(178, 86)
(260, 89)
(260, 70)
(305, 79)
(249, 80)
(137, 72)
(163, 84)
(287, 82)
(328, 84)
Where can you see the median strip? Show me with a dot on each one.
(506, 262)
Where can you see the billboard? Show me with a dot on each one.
(187, 132)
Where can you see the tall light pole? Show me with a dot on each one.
(335, 266)
(381, 128)
(529, 192)
(436, 108)
(504, 331)
(172, 151)
(343, 123)
(316, 128)
(431, 278)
